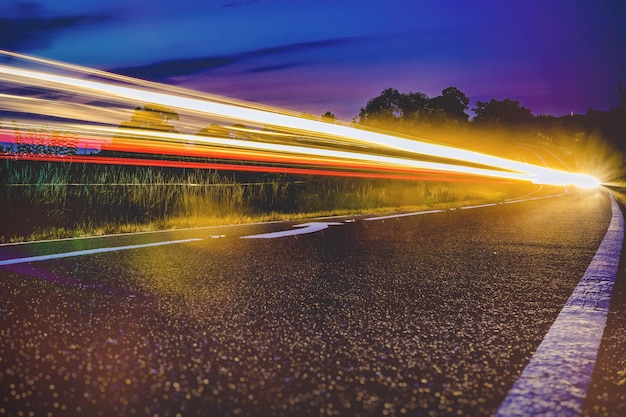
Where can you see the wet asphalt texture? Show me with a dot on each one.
(431, 315)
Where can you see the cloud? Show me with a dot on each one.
(24, 27)
(165, 69)
(176, 67)
(278, 67)
(20, 8)
(301, 46)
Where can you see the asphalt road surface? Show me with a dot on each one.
(432, 314)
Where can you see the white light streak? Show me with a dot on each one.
(374, 147)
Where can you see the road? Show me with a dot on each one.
(427, 314)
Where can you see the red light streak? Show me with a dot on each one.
(162, 148)
(234, 167)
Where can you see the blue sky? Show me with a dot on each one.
(554, 56)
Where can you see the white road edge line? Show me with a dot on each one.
(88, 252)
(393, 216)
(555, 380)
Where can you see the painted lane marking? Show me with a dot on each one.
(479, 206)
(32, 242)
(557, 376)
(464, 208)
(393, 216)
(88, 252)
(185, 229)
(301, 229)
(535, 198)
(525, 195)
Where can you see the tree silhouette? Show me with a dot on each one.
(413, 104)
(329, 117)
(214, 130)
(506, 112)
(152, 117)
(452, 102)
(238, 131)
(384, 106)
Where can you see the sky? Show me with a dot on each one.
(553, 56)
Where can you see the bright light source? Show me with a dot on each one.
(586, 181)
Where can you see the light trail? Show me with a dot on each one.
(426, 176)
(153, 143)
(345, 149)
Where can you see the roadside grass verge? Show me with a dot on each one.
(47, 200)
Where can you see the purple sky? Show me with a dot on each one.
(554, 56)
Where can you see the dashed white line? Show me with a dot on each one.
(393, 216)
(87, 252)
(526, 195)
(148, 232)
(478, 206)
(555, 380)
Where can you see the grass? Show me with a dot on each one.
(47, 200)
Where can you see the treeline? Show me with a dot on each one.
(416, 113)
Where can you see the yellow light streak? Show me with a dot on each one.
(324, 153)
(285, 126)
